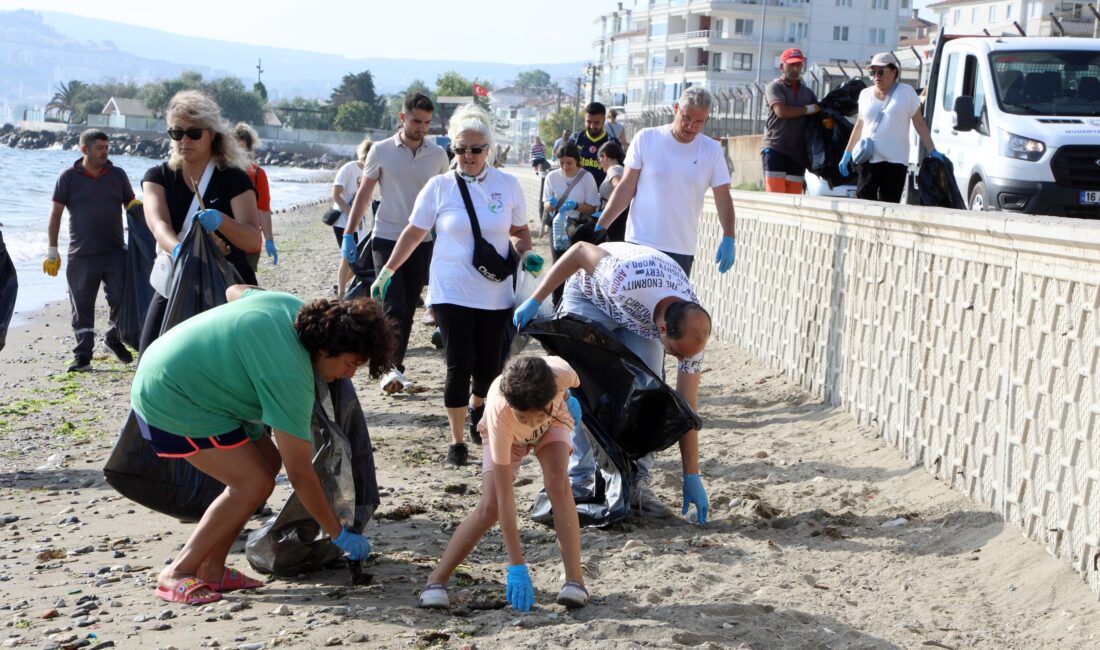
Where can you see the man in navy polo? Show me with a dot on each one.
(95, 192)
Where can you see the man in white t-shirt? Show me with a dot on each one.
(668, 171)
(401, 166)
(645, 300)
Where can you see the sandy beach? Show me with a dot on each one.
(821, 536)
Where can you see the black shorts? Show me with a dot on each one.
(173, 445)
(780, 165)
(339, 230)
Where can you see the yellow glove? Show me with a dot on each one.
(52, 264)
(133, 203)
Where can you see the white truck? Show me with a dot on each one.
(1019, 117)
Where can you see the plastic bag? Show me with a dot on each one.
(938, 187)
(827, 135)
(141, 250)
(628, 411)
(201, 276)
(9, 287)
(362, 269)
(525, 285)
(292, 542)
(844, 99)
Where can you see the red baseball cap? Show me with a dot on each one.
(792, 55)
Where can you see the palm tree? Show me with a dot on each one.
(65, 98)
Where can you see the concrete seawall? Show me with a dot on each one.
(971, 342)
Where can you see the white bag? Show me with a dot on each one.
(160, 278)
(526, 283)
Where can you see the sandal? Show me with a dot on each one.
(572, 595)
(434, 596)
(184, 590)
(233, 580)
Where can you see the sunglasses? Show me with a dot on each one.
(877, 72)
(193, 133)
(461, 151)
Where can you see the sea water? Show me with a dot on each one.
(27, 179)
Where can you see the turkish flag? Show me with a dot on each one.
(480, 91)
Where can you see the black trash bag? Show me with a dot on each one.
(292, 542)
(170, 486)
(844, 99)
(827, 134)
(938, 187)
(362, 269)
(628, 411)
(9, 288)
(141, 250)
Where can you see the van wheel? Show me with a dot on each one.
(977, 197)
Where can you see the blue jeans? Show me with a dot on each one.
(582, 463)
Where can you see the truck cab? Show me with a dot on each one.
(1020, 120)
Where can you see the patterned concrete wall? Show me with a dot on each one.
(970, 341)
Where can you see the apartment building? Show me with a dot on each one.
(649, 52)
(1000, 17)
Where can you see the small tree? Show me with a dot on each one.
(354, 116)
(66, 98)
(534, 80)
(452, 83)
(550, 129)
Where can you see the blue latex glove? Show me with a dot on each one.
(765, 151)
(569, 205)
(574, 408)
(845, 160)
(272, 252)
(694, 493)
(937, 155)
(209, 219)
(596, 215)
(553, 202)
(355, 545)
(525, 313)
(176, 250)
(519, 590)
(727, 252)
(347, 247)
(532, 263)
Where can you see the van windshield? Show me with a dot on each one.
(1048, 83)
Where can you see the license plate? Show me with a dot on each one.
(1090, 197)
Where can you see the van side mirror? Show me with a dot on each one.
(964, 118)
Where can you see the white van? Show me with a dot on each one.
(1020, 120)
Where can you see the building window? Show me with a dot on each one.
(992, 13)
(716, 62)
(880, 4)
(618, 75)
(657, 62)
(620, 48)
(636, 95)
(742, 27)
(905, 5)
(797, 31)
(1008, 11)
(719, 28)
(974, 15)
(840, 33)
(739, 61)
(658, 29)
(957, 16)
(877, 36)
(844, 3)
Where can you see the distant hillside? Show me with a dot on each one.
(286, 72)
(34, 57)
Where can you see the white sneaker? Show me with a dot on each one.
(435, 597)
(394, 382)
(572, 595)
(646, 503)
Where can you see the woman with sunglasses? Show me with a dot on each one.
(472, 311)
(529, 408)
(886, 109)
(202, 145)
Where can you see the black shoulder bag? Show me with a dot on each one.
(486, 259)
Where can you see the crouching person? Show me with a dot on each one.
(204, 391)
(528, 407)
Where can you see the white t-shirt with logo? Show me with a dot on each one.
(348, 178)
(891, 137)
(674, 178)
(500, 206)
(628, 283)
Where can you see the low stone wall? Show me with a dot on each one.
(970, 341)
(743, 156)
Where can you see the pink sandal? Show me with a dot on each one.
(234, 580)
(184, 590)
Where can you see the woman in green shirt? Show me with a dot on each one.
(204, 392)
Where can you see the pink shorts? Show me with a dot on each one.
(555, 434)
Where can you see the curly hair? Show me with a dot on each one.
(528, 383)
(356, 326)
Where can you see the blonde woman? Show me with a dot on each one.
(204, 151)
(344, 189)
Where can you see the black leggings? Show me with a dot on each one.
(474, 345)
(882, 181)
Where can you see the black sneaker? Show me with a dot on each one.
(437, 339)
(122, 353)
(458, 455)
(81, 364)
(475, 413)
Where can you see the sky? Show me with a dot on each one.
(514, 31)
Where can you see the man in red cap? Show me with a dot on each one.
(784, 146)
